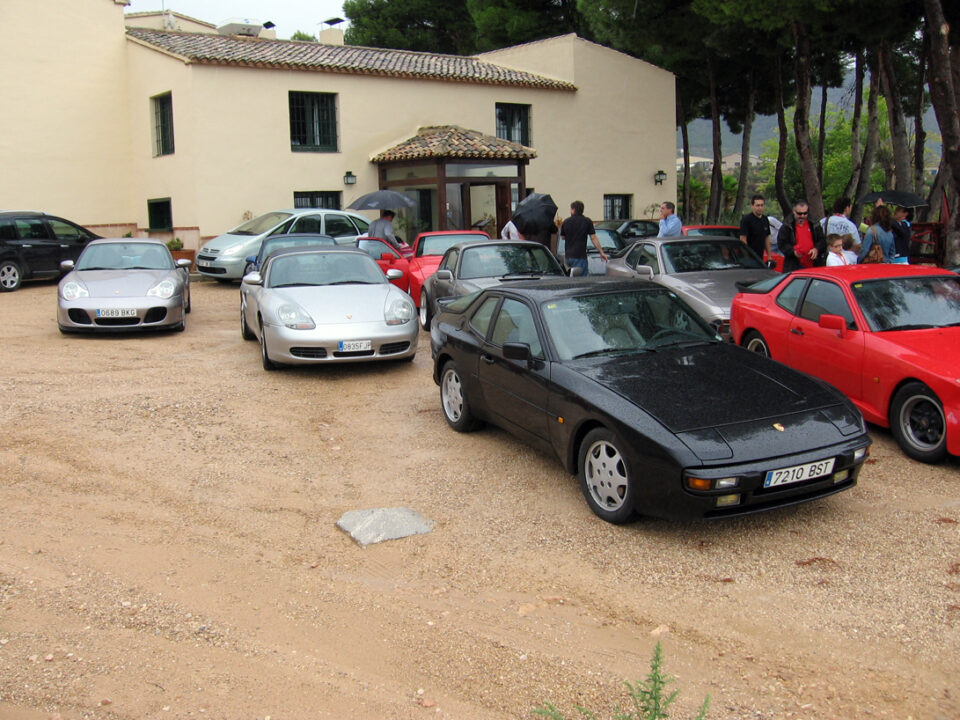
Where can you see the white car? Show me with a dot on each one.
(225, 257)
(317, 305)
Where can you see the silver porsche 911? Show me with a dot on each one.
(326, 304)
(123, 284)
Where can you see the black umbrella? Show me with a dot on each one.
(900, 198)
(382, 200)
(535, 214)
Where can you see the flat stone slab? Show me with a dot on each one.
(379, 524)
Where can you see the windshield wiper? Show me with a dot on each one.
(286, 285)
(610, 350)
(528, 273)
(352, 282)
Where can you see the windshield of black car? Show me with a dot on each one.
(502, 260)
(707, 255)
(439, 244)
(125, 256)
(261, 224)
(305, 269)
(622, 322)
(904, 303)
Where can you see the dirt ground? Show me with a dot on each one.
(168, 549)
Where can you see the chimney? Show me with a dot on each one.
(331, 35)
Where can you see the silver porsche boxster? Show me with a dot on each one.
(123, 284)
(326, 304)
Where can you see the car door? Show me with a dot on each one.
(71, 238)
(826, 353)
(387, 258)
(442, 287)
(338, 226)
(37, 247)
(514, 390)
(309, 223)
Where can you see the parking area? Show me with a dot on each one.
(169, 549)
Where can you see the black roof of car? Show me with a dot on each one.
(563, 287)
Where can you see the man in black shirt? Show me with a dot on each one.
(755, 228)
(575, 230)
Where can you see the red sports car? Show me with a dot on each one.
(387, 257)
(428, 250)
(886, 335)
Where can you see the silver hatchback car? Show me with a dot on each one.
(225, 256)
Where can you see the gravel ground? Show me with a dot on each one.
(169, 550)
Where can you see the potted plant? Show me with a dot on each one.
(178, 251)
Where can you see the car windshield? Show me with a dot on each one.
(275, 243)
(909, 303)
(505, 260)
(125, 256)
(260, 225)
(630, 321)
(439, 244)
(731, 232)
(314, 268)
(708, 255)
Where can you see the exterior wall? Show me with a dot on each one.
(168, 21)
(64, 126)
(611, 136)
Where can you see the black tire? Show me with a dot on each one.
(605, 477)
(425, 315)
(453, 400)
(245, 332)
(754, 342)
(188, 307)
(268, 364)
(11, 275)
(918, 423)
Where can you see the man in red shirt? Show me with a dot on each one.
(802, 243)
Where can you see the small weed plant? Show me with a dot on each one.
(650, 697)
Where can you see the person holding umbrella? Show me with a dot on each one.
(382, 228)
(575, 230)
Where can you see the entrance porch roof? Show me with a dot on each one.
(452, 141)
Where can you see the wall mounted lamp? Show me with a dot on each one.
(659, 177)
(349, 178)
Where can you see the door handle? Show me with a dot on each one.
(488, 359)
(796, 331)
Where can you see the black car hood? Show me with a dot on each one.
(708, 386)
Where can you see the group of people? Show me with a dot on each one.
(835, 240)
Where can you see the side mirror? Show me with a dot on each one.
(66, 265)
(252, 259)
(394, 274)
(833, 322)
(517, 351)
(444, 275)
(253, 278)
(388, 256)
(645, 271)
(184, 263)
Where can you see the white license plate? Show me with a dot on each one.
(799, 473)
(116, 312)
(355, 345)
(201, 263)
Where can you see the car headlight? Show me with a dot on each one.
(398, 311)
(295, 317)
(73, 290)
(163, 289)
(233, 250)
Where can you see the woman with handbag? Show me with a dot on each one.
(878, 245)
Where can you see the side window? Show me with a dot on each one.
(648, 256)
(7, 230)
(339, 226)
(515, 324)
(62, 230)
(480, 322)
(285, 227)
(450, 261)
(362, 225)
(633, 257)
(825, 298)
(790, 295)
(32, 229)
(308, 224)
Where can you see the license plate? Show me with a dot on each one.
(201, 263)
(799, 473)
(355, 345)
(116, 312)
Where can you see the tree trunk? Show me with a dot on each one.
(870, 149)
(716, 177)
(902, 167)
(943, 79)
(919, 133)
(745, 149)
(851, 187)
(931, 213)
(682, 122)
(801, 123)
(782, 199)
(823, 132)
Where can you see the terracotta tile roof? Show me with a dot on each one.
(451, 141)
(209, 49)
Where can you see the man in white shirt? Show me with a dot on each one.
(839, 223)
(510, 232)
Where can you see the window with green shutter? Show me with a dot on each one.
(162, 124)
(313, 122)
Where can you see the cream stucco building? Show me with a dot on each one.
(156, 123)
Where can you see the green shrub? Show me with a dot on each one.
(175, 244)
(649, 697)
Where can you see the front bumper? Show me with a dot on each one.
(221, 268)
(322, 344)
(85, 314)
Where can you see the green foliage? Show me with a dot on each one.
(175, 244)
(650, 698)
(303, 36)
(438, 26)
(501, 23)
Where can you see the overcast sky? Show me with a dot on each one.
(288, 15)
